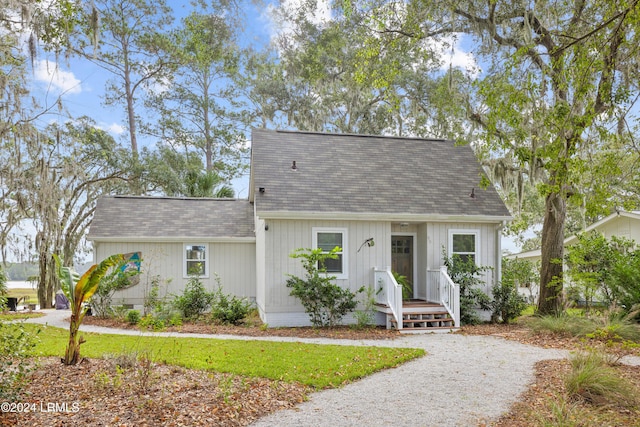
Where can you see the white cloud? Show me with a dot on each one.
(114, 128)
(458, 57)
(50, 73)
(279, 20)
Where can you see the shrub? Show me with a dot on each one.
(175, 319)
(465, 273)
(15, 346)
(403, 281)
(507, 303)
(228, 309)
(625, 280)
(133, 317)
(151, 322)
(325, 302)
(195, 300)
(114, 281)
(3, 289)
(366, 316)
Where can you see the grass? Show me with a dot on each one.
(11, 316)
(605, 327)
(319, 366)
(593, 380)
(30, 295)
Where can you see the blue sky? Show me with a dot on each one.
(81, 84)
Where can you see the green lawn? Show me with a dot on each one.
(13, 316)
(316, 365)
(30, 295)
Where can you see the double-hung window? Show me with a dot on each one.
(196, 260)
(464, 243)
(327, 239)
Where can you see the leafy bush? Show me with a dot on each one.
(465, 273)
(325, 302)
(3, 289)
(114, 281)
(407, 289)
(195, 300)
(625, 280)
(133, 317)
(228, 309)
(507, 303)
(364, 318)
(16, 344)
(151, 322)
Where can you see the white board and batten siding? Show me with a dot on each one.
(234, 263)
(434, 236)
(283, 237)
(278, 308)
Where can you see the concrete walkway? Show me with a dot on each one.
(463, 380)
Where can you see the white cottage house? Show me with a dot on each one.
(390, 203)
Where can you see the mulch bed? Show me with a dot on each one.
(547, 403)
(97, 393)
(256, 330)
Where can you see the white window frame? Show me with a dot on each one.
(345, 244)
(465, 231)
(185, 272)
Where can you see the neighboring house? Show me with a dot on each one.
(389, 203)
(619, 224)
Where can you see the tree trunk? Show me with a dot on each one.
(46, 281)
(550, 299)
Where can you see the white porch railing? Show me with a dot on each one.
(440, 288)
(389, 292)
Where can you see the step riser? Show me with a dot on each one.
(425, 321)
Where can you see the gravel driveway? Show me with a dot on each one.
(462, 381)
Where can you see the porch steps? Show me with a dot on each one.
(421, 316)
(425, 321)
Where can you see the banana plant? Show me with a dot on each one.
(81, 288)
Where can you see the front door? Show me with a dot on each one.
(402, 257)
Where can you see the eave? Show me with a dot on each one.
(376, 216)
(166, 239)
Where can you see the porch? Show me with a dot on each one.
(435, 306)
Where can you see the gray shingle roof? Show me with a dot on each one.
(163, 217)
(355, 174)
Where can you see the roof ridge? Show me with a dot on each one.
(358, 135)
(222, 199)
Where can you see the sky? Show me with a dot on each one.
(81, 84)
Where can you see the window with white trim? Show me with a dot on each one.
(464, 243)
(327, 239)
(196, 260)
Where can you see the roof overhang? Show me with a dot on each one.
(172, 239)
(376, 216)
(603, 221)
(572, 239)
(525, 255)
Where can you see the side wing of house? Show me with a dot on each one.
(178, 239)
